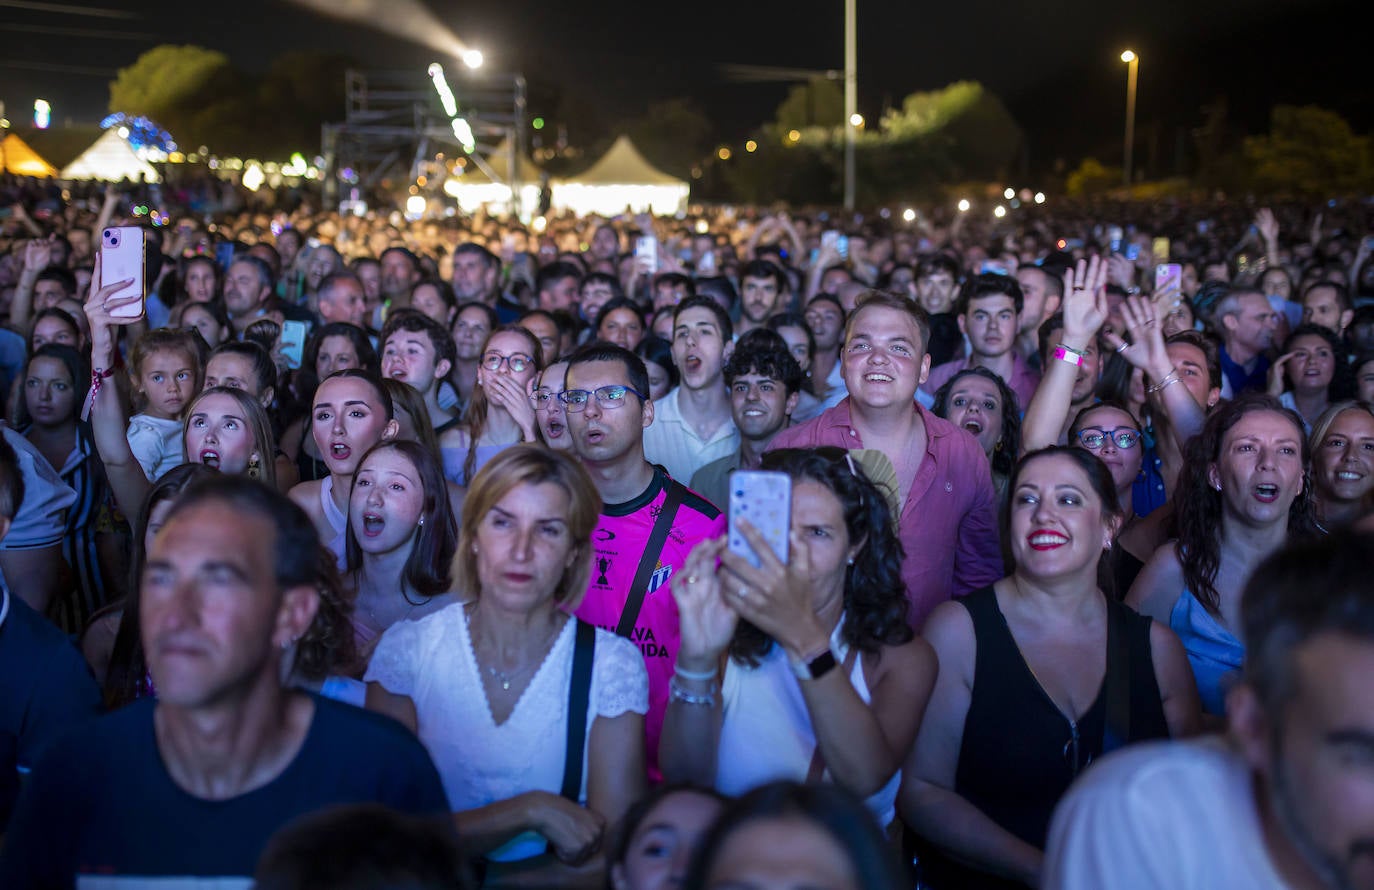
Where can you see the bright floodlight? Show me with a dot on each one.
(1040, 197)
(909, 215)
(473, 58)
(963, 205)
(1128, 56)
(999, 211)
(856, 120)
(415, 205)
(1009, 193)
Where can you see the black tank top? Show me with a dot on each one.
(1019, 752)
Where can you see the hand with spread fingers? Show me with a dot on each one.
(775, 598)
(1145, 349)
(1085, 301)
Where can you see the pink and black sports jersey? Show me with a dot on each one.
(617, 545)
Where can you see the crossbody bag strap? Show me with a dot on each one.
(639, 588)
(579, 694)
(817, 767)
(1116, 729)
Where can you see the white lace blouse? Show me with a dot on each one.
(431, 661)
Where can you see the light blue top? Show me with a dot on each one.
(1213, 652)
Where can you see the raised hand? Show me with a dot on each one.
(1268, 225)
(37, 255)
(1085, 300)
(1146, 350)
(1276, 373)
(706, 622)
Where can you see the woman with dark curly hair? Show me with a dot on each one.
(1242, 493)
(775, 634)
(1040, 674)
(977, 400)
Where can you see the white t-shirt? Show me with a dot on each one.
(1163, 814)
(431, 660)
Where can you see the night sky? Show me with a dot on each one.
(1055, 64)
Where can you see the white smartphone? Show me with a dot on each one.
(293, 335)
(765, 499)
(121, 258)
(646, 254)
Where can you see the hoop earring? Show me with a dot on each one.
(254, 468)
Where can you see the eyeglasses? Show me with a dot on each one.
(607, 397)
(544, 399)
(518, 362)
(1093, 438)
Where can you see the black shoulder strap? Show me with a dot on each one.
(1116, 729)
(639, 588)
(579, 692)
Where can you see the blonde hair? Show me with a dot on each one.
(531, 464)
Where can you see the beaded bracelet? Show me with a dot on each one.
(98, 378)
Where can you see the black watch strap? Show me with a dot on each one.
(821, 665)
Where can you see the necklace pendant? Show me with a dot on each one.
(505, 684)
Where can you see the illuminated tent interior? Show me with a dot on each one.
(18, 158)
(474, 189)
(621, 179)
(110, 159)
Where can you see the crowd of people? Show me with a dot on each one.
(442, 592)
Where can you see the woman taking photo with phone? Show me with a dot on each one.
(1040, 674)
(805, 670)
(513, 697)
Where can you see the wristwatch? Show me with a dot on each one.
(816, 667)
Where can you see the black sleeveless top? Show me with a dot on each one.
(1019, 752)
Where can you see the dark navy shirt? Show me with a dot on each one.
(45, 689)
(101, 808)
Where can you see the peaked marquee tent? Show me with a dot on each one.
(110, 158)
(621, 179)
(18, 158)
(475, 189)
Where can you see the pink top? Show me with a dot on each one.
(948, 525)
(617, 544)
(1023, 380)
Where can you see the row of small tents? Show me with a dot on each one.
(621, 178)
(75, 153)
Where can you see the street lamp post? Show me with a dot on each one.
(1132, 67)
(851, 97)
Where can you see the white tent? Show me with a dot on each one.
(110, 158)
(621, 179)
(474, 189)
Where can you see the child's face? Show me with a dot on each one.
(167, 380)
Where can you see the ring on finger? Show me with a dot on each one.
(743, 592)
(1123, 347)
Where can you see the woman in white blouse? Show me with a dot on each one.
(494, 690)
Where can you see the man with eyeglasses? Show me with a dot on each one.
(649, 522)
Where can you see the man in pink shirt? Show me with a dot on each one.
(948, 522)
(605, 394)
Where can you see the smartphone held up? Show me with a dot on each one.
(764, 499)
(122, 259)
